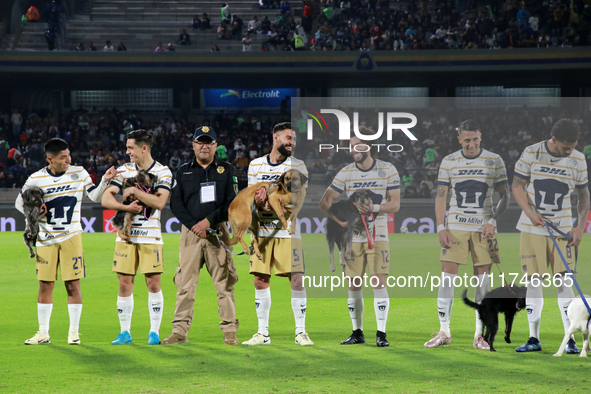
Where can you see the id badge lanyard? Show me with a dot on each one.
(207, 192)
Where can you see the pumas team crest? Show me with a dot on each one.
(74, 177)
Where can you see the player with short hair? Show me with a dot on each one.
(472, 173)
(545, 177)
(283, 253)
(59, 242)
(145, 249)
(383, 179)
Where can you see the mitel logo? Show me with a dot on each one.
(344, 123)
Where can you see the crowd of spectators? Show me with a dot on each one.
(363, 25)
(97, 141)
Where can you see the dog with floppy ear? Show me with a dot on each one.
(240, 216)
(291, 190)
(345, 210)
(32, 202)
(122, 220)
(507, 300)
(579, 318)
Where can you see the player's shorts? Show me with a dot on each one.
(376, 260)
(484, 251)
(129, 256)
(68, 255)
(283, 255)
(538, 253)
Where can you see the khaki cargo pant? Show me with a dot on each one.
(194, 252)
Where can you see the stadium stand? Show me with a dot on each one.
(337, 25)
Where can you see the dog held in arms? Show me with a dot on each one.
(290, 189)
(122, 220)
(32, 200)
(346, 211)
(507, 300)
(579, 322)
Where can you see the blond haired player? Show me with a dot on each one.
(281, 251)
(381, 178)
(145, 249)
(59, 242)
(545, 177)
(472, 173)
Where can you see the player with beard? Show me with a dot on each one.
(369, 251)
(546, 176)
(280, 251)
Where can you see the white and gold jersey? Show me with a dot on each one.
(62, 194)
(145, 230)
(472, 181)
(261, 170)
(551, 181)
(380, 178)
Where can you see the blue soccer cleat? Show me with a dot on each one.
(153, 338)
(571, 347)
(532, 345)
(122, 339)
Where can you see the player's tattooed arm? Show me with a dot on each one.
(582, 209)
(583, 206)
(503, 203)
(442, 190)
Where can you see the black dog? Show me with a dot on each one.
(122, 220)
(32, 201)
(508, 300)
(345, 211)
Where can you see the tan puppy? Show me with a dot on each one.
(292, 191)
(240, 216)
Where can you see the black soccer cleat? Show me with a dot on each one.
(355, 338)
(381, 340)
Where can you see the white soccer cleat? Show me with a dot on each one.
(480, 343)
(73, 338)
(38, 339)
(439, 339)
(303, 339)
(258, 339)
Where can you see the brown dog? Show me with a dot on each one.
(292, 191)
(240, 216)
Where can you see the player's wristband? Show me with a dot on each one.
(440, 228)
(375, 208)
(493, 222)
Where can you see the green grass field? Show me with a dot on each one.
(205, 365)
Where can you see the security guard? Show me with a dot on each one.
(202, 193)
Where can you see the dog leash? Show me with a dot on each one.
(217, 234)
(551, 225)
(370, 242)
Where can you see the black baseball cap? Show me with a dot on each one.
(204, 131)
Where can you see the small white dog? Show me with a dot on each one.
(579, 316)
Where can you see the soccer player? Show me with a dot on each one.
(281, 251)
(381, 178)
(545, 177)
(59, 242)
(472, 173)
(145, 249)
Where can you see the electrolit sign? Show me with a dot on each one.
(246, 98)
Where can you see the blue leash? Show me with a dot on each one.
(551, 225)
